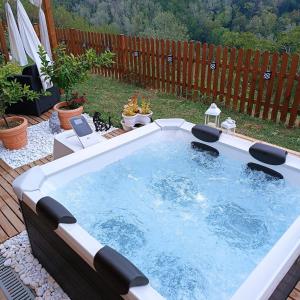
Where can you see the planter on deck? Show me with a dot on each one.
(16, 137)
(66, 114)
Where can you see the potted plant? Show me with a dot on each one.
(13, 130)
(133, 114)
(66, 72)
(67, 110)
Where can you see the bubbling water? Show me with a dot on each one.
(196, 225)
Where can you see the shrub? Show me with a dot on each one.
(68, 70)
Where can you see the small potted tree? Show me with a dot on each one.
(13, 130)
(66, 72)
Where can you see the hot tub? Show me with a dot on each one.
(170, 210)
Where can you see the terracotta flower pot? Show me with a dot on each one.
(16, 137)
(65, 114)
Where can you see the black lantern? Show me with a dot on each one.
(267, 75)
(170, 58)
(135, 53)
(108, 48)
(84, 45)
(100, 123)
(213, 65)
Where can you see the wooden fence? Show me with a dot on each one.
(261, 84)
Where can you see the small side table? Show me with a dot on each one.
(67, 143)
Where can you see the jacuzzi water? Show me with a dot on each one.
(195, 225)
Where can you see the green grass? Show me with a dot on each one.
(108, 96)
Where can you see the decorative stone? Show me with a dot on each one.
(18, 253)
(17, 269)
(40, 145)
(39, 292)
(29, 259)
(54, 123)
(26, 281)
(7, 263)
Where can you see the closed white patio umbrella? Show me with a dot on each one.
(43, 27)
(16, 45)
(30, 40)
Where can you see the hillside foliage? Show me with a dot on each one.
(257, 24)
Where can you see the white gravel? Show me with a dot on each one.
(40, 145)
(18, 256)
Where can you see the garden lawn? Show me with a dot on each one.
(108, 96)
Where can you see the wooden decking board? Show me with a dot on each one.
(7, 174)
(16, 222)
(8, 178)
(30, 120)
(6, 196)
(7, 227)
(5, 168)
(8, 188)
(295, 294)
(3, 236)
(11, 203)
(44, 160)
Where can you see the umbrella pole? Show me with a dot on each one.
(47, 6)
(3, 42)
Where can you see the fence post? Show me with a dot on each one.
(3, 45)
(72, 42)
(122, 55)
(295, 106)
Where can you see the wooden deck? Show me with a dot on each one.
(11, 222)
(295, 294)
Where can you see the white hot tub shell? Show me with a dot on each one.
(31, 186)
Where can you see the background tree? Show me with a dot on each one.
(268, 24)
(290, 41)
(166, 26)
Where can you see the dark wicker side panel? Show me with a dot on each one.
(71, 272)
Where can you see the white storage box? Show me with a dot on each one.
(67, 143)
